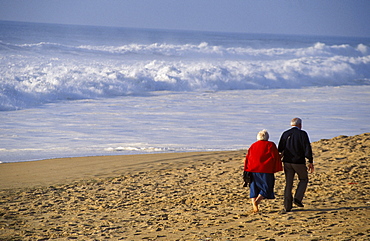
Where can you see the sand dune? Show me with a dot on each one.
(183, 196)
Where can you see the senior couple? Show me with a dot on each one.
(264, 159)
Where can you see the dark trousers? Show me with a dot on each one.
(290, 170)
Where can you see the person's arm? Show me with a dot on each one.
(281, 145)
(308, 154)
(307, 147)
(246, 161)
(277, 158)
(311, 167)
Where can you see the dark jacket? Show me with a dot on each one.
(295, 146)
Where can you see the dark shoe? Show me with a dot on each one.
(284, 211)
(298, 203)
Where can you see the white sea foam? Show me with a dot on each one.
(34, 74)
(179, 121)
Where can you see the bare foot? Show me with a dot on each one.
(255, 207)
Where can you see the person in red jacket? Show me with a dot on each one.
(262, 161)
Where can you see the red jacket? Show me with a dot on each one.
(264, 157)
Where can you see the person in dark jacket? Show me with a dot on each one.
(294, 147)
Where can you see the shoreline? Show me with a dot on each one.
(185, 196)
(55, 171)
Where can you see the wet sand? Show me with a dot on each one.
(183, 196)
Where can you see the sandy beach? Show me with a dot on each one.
(183, 196)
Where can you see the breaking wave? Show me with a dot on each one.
(34, 74)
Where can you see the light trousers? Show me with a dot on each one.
(290, 170)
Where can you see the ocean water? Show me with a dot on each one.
(70, 91)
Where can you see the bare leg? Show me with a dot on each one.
(255, 206)
(253, 200)
(256, 201)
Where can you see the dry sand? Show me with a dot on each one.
(183, 196)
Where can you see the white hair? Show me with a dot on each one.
(296, 122)
(263, 135)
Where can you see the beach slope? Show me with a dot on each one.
(183, 196)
